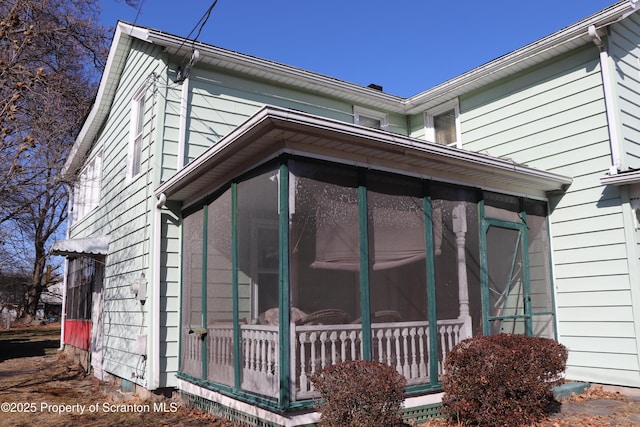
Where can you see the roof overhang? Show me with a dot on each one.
(504, 66)
(87, 246)
(273, 131)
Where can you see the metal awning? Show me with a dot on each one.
(98, 245)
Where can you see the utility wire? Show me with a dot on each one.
(204, 20)
(201, 23)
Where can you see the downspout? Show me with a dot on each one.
(183, 76)
(157, 226)
(607, 87)
(182, 130)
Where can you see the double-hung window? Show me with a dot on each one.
(443, 124)
(137, 132)
(87, 188)
(370, 118)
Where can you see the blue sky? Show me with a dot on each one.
(406, 46)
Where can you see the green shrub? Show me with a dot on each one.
(359, 393)
(502, 380)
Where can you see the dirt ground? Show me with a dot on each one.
(39, 386)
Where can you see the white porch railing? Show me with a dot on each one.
(402, 345)
(260, 366)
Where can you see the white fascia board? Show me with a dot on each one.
(397, 140)
(268, 118)
(104, 97)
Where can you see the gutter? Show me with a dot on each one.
(269, 118)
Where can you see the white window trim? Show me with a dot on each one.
(377, 115)
(430, 133)
(138, 97)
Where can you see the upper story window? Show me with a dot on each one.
(87, 188)
(134, 160)
(370, 118)
(443, 124)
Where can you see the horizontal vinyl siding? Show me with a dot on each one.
(169, 298)
(171, 129)
(624, 51)
(122, 215)
(554, 118)
(219, 102)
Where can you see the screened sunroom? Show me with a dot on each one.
(332, 243)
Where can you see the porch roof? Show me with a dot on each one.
(273, 131)
(98, 245)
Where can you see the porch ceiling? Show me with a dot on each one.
(274, 130)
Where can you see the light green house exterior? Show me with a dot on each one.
(576, 115)
(554, 124)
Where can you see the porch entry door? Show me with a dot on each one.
(505, 278)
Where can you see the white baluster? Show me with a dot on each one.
(406, 370)
(352, 336)
(388, 335)
(423, 333)
(456, 330)
(414, 359)
(380, 336)
(255, 346)
(228, 358)
(323, 349)
(442, 343)
(396, 336)
(247, 350)
(269, 355)
(216, 357)
(313, 336)
(449, 339)
(333, 337)
(343, 347)
(263, 354)
(276, 356)
(303, 357)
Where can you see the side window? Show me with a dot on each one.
(443, 125)
(369, 118)
(134, 160)
(87, 188)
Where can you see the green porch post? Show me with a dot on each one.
(283, 286)
(363, 231)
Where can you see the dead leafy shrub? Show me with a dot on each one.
(502, 380)
(359, 393)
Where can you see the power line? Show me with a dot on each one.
(204, 20)
(201, 22)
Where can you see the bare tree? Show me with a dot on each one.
(51, 54)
